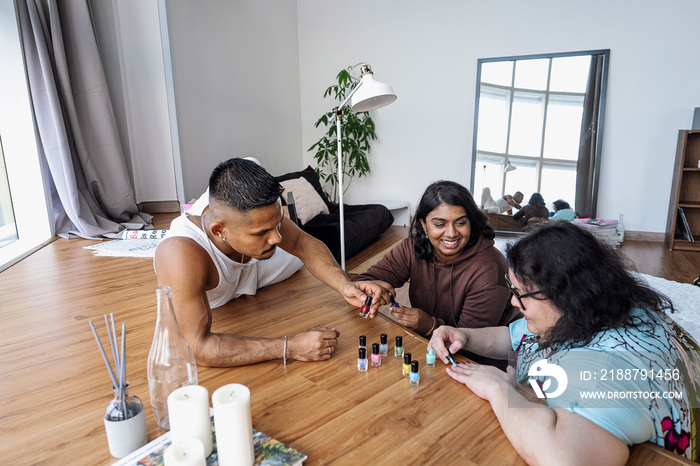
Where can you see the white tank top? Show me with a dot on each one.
(236, 278)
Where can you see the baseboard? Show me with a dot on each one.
(159, 207)
(644, 236)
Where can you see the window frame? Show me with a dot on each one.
(540, 160)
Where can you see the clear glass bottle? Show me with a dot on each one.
(620, 230)
(171, 362)
(123, 406)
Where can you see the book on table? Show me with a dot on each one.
(268, 451)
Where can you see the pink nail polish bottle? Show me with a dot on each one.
(376, 357)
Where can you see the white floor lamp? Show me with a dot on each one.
(369, 94)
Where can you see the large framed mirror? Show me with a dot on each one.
(538, 128)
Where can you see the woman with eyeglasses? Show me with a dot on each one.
(455, 273)
(594, 343)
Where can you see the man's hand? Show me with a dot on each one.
(413, 318)
(355, 293)
(447, 338)
(316, 344)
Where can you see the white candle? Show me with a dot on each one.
(188, 408)
(233, 425)
(188, 452)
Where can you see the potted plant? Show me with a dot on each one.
(357, 134)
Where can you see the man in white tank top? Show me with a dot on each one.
(239, 243)
(501, 205)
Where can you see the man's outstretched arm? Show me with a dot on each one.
(188, 270)
(318, 259)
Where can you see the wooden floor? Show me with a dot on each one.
(48, 298)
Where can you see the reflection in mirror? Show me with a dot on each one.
(538, 128)
(8, 227)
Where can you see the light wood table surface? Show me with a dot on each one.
(54, 386)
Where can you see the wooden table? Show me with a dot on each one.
(54, 386)
(333, 413)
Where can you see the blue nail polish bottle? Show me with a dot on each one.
(414, 376)
(430, 358)
(362, 360)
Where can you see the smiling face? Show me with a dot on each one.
(448, 230)
(255, 233)
(540, 314)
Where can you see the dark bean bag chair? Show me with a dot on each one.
(364, 223)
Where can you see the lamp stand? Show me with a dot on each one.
(338, 114)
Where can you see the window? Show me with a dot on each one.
(529, 114)
(22, 192)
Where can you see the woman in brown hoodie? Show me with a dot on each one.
(456, 274)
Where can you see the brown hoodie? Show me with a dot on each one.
(470, 291)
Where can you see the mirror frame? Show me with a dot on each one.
(605, 53)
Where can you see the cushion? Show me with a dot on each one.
(307, 201)
(309, 174)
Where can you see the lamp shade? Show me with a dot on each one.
(371, 95)
(509, 167)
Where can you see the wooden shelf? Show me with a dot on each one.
(685, 193)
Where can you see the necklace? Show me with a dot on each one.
(213, 252)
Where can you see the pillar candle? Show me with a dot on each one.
(188, 408)
(189, 452)
(233, 425)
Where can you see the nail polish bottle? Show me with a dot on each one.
(430, 358)
(362, 360)
(383, 345)
(393, 301)
(398, 348)
(406, 364)
(364, 311)
(376, 357)
(414, 377)
(363, 342)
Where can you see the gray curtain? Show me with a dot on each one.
(586, 176)
(78, 139)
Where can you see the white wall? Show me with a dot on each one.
(236, 76)
(428, 52)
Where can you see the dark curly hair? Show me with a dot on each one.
(243, 185)
(450, 193)
(536, 199)
(561, 204)
(585, 279)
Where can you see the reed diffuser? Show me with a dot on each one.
(124, 418)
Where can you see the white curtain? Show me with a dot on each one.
(76, 128)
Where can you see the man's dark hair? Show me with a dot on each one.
(561, 204)
(243, 185)
(454, 194)
(584, 279)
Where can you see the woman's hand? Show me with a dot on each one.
(446, 338)
(484, 381)
(413, 318)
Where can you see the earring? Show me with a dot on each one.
(223, 240)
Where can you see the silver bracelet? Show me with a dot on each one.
(285, 350)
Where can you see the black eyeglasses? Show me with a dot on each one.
(521, 296)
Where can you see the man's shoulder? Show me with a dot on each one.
(176, 249)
